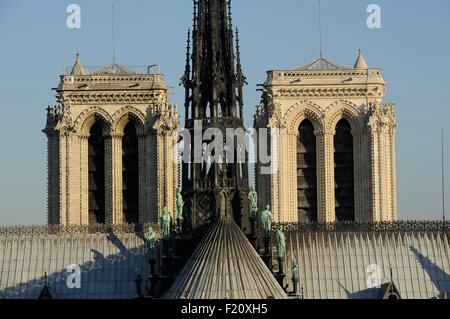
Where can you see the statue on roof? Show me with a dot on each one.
(281, 242)
(222, 203)
(253, 201)
(150, 242)
(180, 204)
(165, 223)
(295, 270)
(266, 221)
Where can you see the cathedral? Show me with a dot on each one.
(129, 216)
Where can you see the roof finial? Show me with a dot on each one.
(77, 68)
(187, 71)
(238, 55)
(360, 63)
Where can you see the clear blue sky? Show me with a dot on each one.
(412, 48)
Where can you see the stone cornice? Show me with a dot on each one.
(282, 75)
(113, 78)
(116, 98)
(328, 92)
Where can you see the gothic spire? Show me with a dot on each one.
(212, 73)
(240, 74)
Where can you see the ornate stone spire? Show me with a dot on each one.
(77, 68)
(213, 61)
(213, 82)
(361, 62)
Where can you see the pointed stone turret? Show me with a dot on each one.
(77, 68)
(361, 62)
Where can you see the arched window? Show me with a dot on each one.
(130, 176)
(306, 173)
(96, 167)
(344, 172)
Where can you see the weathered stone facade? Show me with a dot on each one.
(324, 93)
(112, 97)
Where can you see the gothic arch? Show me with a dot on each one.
(343, 110)
(301, 111)
(89, 116)
(125, 115)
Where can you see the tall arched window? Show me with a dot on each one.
(96, 167)
(344, 172)
(306, 173)
(130, 177)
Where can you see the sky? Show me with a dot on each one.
(412, 47)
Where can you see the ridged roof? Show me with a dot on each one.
(335, 265)
(225, 266)
(113, 68)
(321, 65)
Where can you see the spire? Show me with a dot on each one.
(213, 61)
(214, 94)
(361, 62)
(77, 68)
(187, 71)
(230, 19)
(240, 74)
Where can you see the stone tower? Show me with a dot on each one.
(335, 144)
(213, 81)
(110, 143)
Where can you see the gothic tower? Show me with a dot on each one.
(214, 81)
(335, 143)
(109, 147)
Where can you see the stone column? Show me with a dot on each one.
(144, 163)
(393, 175)
(64, 173)
(275, 176)
(325, 176)
(291, 177)
(113, 179)
(358, 160)
(84, 178)
(384, 173)
(75, 182)
(374, 173)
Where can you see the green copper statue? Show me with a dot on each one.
(281, 242)
(253, 201)
(180, 204)
(266, 221)
(150, 242)
(165, 223)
